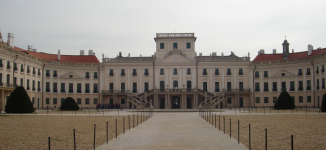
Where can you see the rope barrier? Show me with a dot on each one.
(244, 127)
(279, 139)
(257, 131)
(85, 132)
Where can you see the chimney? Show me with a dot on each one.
(310, 49)
(213, 53)
(120, 54)
(274, 51)
(90, 52)
(82, 52)
(10, 41)
(200, 54)
(29, 48)
(59, 55)
(292, 50)
(34, 50)
(262, 51)
(129, 55)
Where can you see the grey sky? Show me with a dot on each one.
(130, 26)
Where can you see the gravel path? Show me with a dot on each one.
(173, 131)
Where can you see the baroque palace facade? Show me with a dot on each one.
(175, 77)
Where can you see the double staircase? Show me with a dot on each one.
(212, 100)
(138, 100)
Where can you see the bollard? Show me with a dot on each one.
(291, 142)
(141, 117)
(133, 120)
(74, 139)
(266, 139)
(219, 125)
(129, 121)
(118, 112)
(230, 127)
(116, 129)
(89, 112)
(49, 142)
(238, 132)
(264, 110)
(215, 121)
(137, 119)
(94, 135)
(123, 125)
(107, 132)
(249, 138)
(224, 123)
(212, 119)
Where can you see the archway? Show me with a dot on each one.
(175, 102)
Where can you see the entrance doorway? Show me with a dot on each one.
(175, 102)
(241, 102)
(162, 103)
(189, 104)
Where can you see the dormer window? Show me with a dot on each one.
(175, 45)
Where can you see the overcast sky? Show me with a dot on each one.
(108, 27)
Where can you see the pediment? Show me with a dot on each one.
(176, 58)
(71, 75)
(283, 73)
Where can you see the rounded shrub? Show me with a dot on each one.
(19, 102)
(323, 103)
(69, 104)
(284, 101)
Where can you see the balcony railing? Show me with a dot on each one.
(236, 90)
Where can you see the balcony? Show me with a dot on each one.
(244, 91)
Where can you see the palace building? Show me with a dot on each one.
(174, 77)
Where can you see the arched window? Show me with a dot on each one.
(240, 71)
(161, 85)
(204, 71)
(175, 71)
(161, 71)
(188, 71)
(228, 72)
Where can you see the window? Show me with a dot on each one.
(71, 88)
(204, 71)
(175, 45)
(87, 88)
(300, 99)
(257, 87)
(323, 83)
(300, 85)
(123, 101)
(63, 88)
(291, 85)
(55, 101)
(87, 101)
(283, 86)
(308, 84)
(175, 85)
(205, 86)
(240, 86)
(78, 101)
(38, 71)
(240, 71)
(188, 45)
(161, 85)
(134, 87)
(274, 99)
(175, 71)
(15, 81)
(146, 86)
(308, 99)
(256, 74)
(47, 86)
(161, 45)
(33, 100)
(308, 71)
(79, 88)
(8, 80)
(38, 86)
(265, 74)
(27, 69)
(217, 87)
(95, 75)
(134, 72)
(21, 81)
(293, 98)
(274, 86)
(300, 72)
(111, 72)
(95, 101)
(228, 71)
(87, 75)
(123, 72)
(146, 72)
(95, 88)
(322, 68)
(15, 66)
(8, 64)
(188, 71)
(111, 87)
(55, 87)
(317, 70)
(34, 72)
(228, 86)
(123, 87)
(217, 71)
(265, 86)
(317, 87)
(229, 100)
(55, 73)
(161, 71)
(257, 99)
(1, 63)
(47, 74)
(47, 101)
(188, 85)
(21, 68)
(265, 99)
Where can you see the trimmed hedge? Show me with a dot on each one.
(69, 104)
(284, 101)
(19, 102)
(323, 104)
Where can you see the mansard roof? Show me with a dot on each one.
(63, 58)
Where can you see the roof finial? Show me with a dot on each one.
(285, 36)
